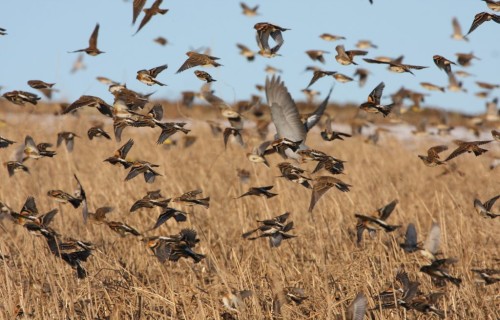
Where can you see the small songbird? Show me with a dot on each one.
(150, 200)
(432, 87)
(471, 146)
(329, 135)
(43, 87)
(258, 154)
(376, 221)
(464, 59)
(170, 128)
(149, 13)
(322, 185)
(21, 97)
(97, 131)
(318, 74)
(166, 214)
(90, 101)
(4, 142)
(482, 17)
(149, 76)
(396, 67)
(294, 174)
(362, 75)
(122, 228)
(121, 154)
(264, 30)
(484, 209)
(259, 191)
(331, 37)
(15, 166)
(246, 52)
(92, 48)
(487, 276)
(137, 6)
(317, 55)
(248, 11)
(198, 59)
(432, 158)
(457, 30)
(443, 63)
(36, 151)
(436, 270)
(204, 76)
(275, 229)
(174, 247)
(190, 198)
(235, 133)
(373, 104)
(144, 167)
(69, 139)
(346, 57)
(411, 244)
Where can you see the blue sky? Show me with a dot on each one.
(40, 34)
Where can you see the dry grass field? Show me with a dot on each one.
(126, 281)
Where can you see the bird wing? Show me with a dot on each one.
(314, 118)
(479, 19)
(93, 37)
(489, 204)
(376, 94)
(433, 239)
(284, 112)
(457, 30)
(156, 71)
(137, 8)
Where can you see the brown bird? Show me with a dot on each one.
(235, 133)
(362, 75)
(376, 221)
(21, 97)
(322, 185)
(190, 198)
(174, 247)
(258, 154)
(122, 228)
(149, 76)
(432, 87)
(246, 52)
(472, 146)
(99, 216)
(493, 5)
(92, 48)
(457, 30)
(121, 154)
(496, 135)
(90, 101)
(259, 191)
(464, 59)
(204, 76)
(487, 276)
(166, 214)
(161, 41)
(68, 137)
(397, 67)
(15, 166)
(346, 57)
(318, 74)
(294, 174)
(331, 37)
(4, 142)
(329, 135)
(432, 158)
(317, 55)
(149, 13)
(150, 200)
(170, 128)
(248, 11)
(487, 86)
(484, 209)
(43, 87)
(373, 104)
(443, 63)
(97, 131)
(198, 59)
(482, 17)
(264, 30)
(436, 270)
(36, 151)
(144, 167)
(275, 229)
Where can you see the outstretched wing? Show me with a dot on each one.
(284, 112)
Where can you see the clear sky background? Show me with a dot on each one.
(40, 34)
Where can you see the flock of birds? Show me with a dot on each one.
(289, 143)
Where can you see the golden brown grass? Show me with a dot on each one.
(125, 281)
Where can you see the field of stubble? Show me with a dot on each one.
(126, 281)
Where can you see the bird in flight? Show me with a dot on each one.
(92, 49)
